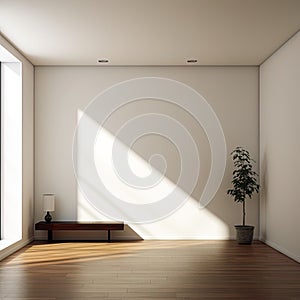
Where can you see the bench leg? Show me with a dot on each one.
(49, 235)
(108, 235)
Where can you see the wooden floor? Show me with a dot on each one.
(149, 269)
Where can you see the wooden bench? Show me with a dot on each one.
(77, 225)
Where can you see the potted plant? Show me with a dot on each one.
(244, 183)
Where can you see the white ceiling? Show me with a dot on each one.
(148, 32)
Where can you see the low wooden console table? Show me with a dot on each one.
(77, 225)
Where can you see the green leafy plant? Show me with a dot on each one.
(244, 178)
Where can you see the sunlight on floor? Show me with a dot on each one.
(38, 254)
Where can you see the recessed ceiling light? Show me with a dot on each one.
(102, 61)
(191, 61)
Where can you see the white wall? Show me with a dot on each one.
(62, 92)
(27, 152)
(280, 148)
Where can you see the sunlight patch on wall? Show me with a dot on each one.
(186, 222)
(168, 126)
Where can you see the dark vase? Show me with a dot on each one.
(48, 217)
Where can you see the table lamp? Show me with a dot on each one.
(49, 204)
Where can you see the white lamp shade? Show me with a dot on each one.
(49, 202)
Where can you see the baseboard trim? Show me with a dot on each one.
(281, 249)
(43, 237)
(80, 238)
(14, 247)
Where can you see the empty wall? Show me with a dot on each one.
(62, 93)
(280, 148)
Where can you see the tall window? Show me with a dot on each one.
(0, 151)
(11, 148)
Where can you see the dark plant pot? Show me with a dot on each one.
(244, 234)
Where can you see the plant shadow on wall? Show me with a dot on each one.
(189, 221)
(244, 186)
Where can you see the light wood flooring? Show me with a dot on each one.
(149, 269)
